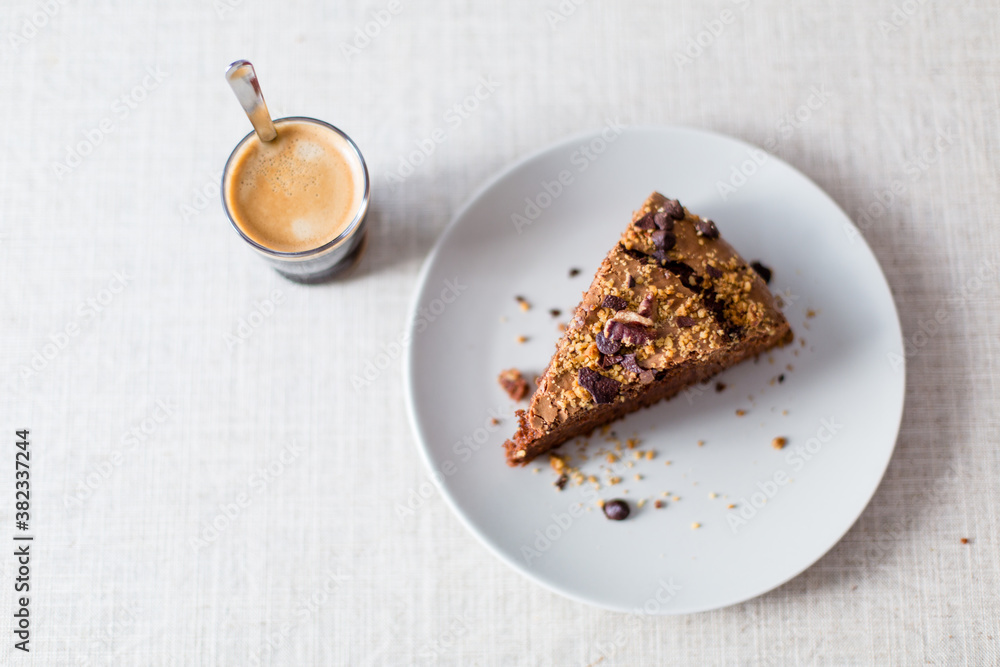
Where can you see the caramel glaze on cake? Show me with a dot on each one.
(671, 305)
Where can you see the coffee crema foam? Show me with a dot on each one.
(298, 191)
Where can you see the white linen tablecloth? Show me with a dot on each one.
(209, 488)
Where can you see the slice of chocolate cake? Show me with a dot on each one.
(671, 305)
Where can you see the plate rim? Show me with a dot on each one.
(408, 376)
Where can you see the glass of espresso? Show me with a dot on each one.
(301, 199)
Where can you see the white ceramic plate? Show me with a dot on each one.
(843, 392)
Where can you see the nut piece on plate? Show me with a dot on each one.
(616, 510)
(514, 384)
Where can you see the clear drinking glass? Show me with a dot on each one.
(329, 259)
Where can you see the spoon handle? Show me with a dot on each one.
(243, 80)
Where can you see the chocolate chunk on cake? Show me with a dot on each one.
(671, 305)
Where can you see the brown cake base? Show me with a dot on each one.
(672, 304)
